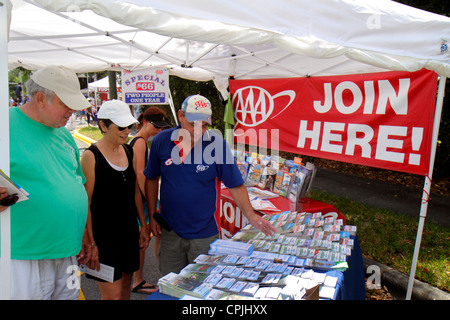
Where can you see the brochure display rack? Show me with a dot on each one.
(312, 256)
(230, 219)
(274, 185)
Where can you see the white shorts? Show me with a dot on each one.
(47, 279)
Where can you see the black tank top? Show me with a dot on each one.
(113, 206)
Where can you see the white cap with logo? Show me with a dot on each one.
(118, 112)
(64, 82)
(197, 108)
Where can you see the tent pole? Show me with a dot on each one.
(172, 107)
(427, 185)
(5, 261)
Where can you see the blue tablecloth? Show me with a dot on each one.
(350, 284)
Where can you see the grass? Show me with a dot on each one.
(389, 238)
(91, 132)
(384, 236)
(94, 133)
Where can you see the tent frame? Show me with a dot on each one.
(427, 184)
(241, 54)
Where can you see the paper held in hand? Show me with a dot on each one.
(12, 188)
(105, 273)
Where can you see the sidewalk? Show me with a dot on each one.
(396, 198)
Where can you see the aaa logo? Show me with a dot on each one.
(254, 105)
(200, 104)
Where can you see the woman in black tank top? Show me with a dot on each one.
(115, 203)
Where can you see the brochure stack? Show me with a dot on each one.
(303, 260)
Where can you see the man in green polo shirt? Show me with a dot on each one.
(47, 229)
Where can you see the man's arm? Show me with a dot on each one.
(240, 196)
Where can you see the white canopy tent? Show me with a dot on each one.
(216, 40)
(103, 83)
(99, 86)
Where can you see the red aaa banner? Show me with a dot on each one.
(383, 120)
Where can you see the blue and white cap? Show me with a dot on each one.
(197, 108)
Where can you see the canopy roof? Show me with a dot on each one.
(216, 39)
(102, 83)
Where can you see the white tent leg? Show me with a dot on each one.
(172, 107)
(5, 270)
(427, 185)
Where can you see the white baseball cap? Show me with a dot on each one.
(197, 108)
(118, 112)
(64, 82)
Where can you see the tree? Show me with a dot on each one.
(182, 88)
(442, 162)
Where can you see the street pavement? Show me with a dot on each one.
(396, 198)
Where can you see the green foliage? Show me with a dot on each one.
(435, 6)
(14, 77)
(182, 88)
(442, 162)
(389, 238)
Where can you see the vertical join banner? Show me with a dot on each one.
(383, 120)
(147, 86)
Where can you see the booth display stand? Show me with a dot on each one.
(291, 265)
(231, 220)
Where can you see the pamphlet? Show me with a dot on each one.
(285, 184)
(12, 187)
(105, 273)
(254, 175)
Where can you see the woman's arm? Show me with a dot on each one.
(139, 154)
(91, 250)
(144, 233)
(151, 192)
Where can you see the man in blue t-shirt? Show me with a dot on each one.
(191, 162)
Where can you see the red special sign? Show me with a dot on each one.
(382, 120)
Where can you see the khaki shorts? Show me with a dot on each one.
(48, 279)
(175, 252)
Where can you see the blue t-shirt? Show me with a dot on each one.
(190, 189)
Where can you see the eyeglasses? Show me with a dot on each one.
(123, 128)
